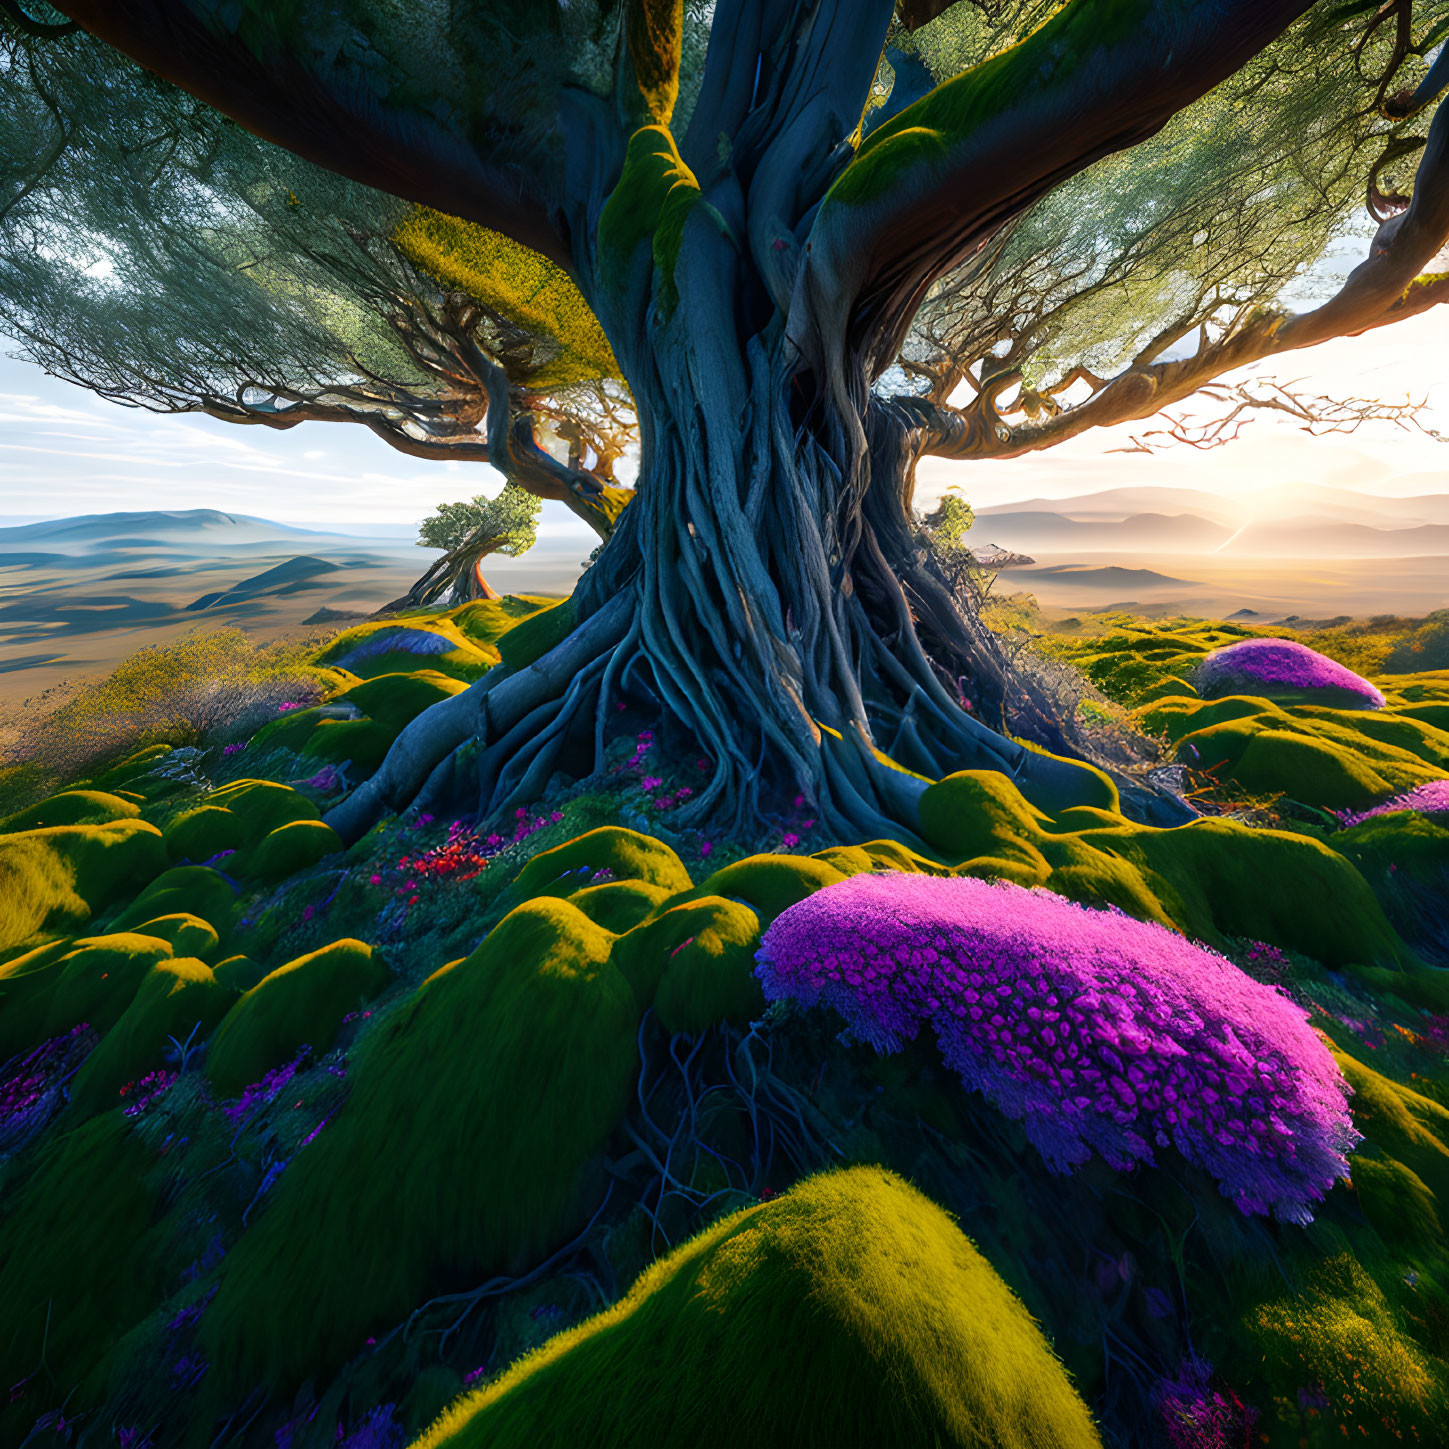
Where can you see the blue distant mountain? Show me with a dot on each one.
(172, 525)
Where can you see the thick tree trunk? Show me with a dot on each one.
(766, 596)
(456, 578)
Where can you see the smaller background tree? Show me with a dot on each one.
(469, 532)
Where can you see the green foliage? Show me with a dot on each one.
(187, 935)
(55, 879)
(301, 1003)
(1427, 647)
(72, 807)
(178, 1002)
(1210, 879)
(386, 704)
(951, 521)
(655, 31)
(508, 523)
(78, 1265)
(1232, 199)
(625, 854)
(850, 1311)
(461, 1150)
(291, 848)
(194, 889)
(533, 637)
(56, 987)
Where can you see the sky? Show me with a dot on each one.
(65, 451)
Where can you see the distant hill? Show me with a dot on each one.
(1045, 532)
(1086, 577)
(1309, 537)
(1288, 521)
(1286, 500)
(293, 577)
(147, 527)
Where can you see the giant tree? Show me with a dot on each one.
(757, 201)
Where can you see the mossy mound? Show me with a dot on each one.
(694, 963)
(1057, 783)
(187, 935)
(71, 807)
(1330, 758)
(768, 884)
(78, 1266)
(851, 1311)
(396, 646)
(1132, 664)
(1399, 842)
(461, 1151)
(486, 621)
(612, 850)
(381, 706)
(301, 1003)
(58, 986)
(292, 848)
(195, 890)
(619, 905)
(1362, 1315)
(235, 817)
(177, 1003)
(1210, 879)
(55, 879)
(879, 855)
(532, 638)
(239, 973)
(1345, 1336)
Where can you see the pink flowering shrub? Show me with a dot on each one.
(1265, 666)
(1097, 1031)
(1430, 799)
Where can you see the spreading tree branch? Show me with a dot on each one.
(1390, 285)
(1244, 401)
(931, 186)
(325, 110)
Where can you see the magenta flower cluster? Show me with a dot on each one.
(33, 1088)
(258, 1094)
(1097, 1031)
(1197, 1413)
(1430, 799)
(1261, 666)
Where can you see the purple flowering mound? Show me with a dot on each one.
(1282, 668)
(1096, 1030)
(1430, 799)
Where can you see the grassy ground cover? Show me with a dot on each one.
(301, 1144)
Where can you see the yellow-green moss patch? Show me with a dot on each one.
(301, 1003)
(461, 1151)
(850, 1311)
